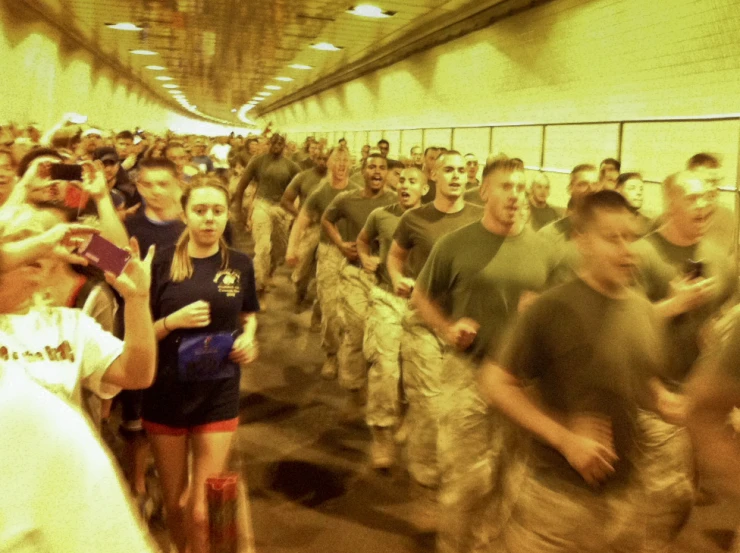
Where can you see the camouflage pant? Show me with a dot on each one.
(421, 363)
(270, 226)
(382, 348)
(471, 440)
(305, 271)
(355, 294)
(642, 517)
(328, 267)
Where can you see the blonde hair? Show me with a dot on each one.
(182, 265)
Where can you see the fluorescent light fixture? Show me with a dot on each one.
(233, 110)
(164, 78)
(284, 79)
(155, 67)
(124, 26)
(242, 115)
(170, 86)
(301, 66)
(143, 52)
(368, 10)
(252, 103)
(273, 87)
(264, 94)
(326, 46)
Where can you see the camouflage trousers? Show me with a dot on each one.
(355, 287)
(472, 439)
(642, 517)
(421, 364)
(328, 266)
(305, 272)
(270, 227)
(382, 349)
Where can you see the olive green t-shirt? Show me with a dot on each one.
(319, 200)
(474, 273)
(660, 262)
(587, 353)
(380, 227)
(541, 216)
(352, 208)
(304, 183)
(472, 196)
(273, 174)
(420, 228)
(566, 257)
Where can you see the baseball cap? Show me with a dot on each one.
(88, 132)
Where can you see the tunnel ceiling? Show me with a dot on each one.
(222, 53)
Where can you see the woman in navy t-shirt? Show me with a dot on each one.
(204, 303)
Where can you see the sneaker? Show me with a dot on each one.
(383, 448)
(330, 368)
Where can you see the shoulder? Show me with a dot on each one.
(417, 213)
(237, 258)
(163, 256)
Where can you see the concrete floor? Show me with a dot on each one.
(309, 483)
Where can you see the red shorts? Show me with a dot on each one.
(229, 425)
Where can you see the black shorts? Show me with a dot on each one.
(188, 404)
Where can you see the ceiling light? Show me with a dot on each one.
(170, 86)
(273, 87)
(301, 66)
(143, 52)
(326, 46)
(265, 94)
(164, 78)
(284, 79)
(233, 110)
(124, 26)
(155, 67)
(252, 103)
(367, 10)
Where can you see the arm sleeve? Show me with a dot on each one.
(371, 225)
(435, 279)
(402, 236)
(335, 211)
(100, 350)
(295, 184)
(523, 353)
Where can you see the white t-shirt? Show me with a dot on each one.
(60, 491)
(60, 348)
(220, 155)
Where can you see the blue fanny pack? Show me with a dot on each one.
(205, 357)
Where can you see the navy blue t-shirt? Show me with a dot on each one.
(162, 234)
(230, 292)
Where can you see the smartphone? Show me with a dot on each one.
(62, 171)
(104, 255)
(694, 269)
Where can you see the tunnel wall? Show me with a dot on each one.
(46, 74)
(527, 82)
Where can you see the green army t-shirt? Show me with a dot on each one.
(273, 174)
(587, 353)
(659, 263)
(352, 208)
(304, 183)
(472, 196)
(542, 216)
(475, 273)
(380, 227)
(420, 228)
(319, 200)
